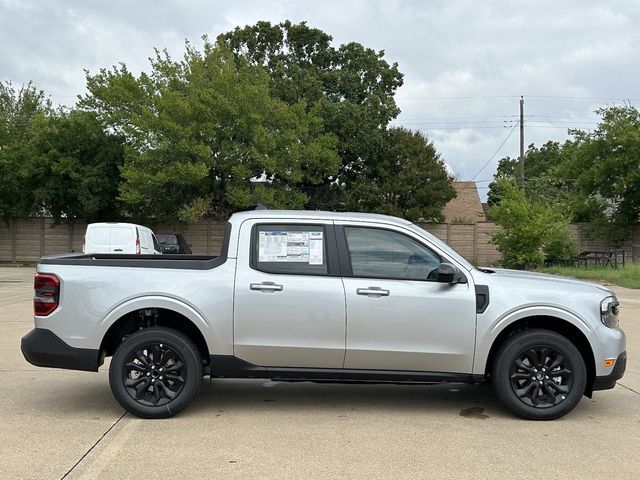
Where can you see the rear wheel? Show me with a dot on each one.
(539, 374)
(155, 373)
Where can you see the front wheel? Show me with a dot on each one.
(539, 374)
(155, 373)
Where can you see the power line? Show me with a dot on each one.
(494, 153)
(468, 97)
(483, 97)
(462, 127)
(568, 97)
(465, 117)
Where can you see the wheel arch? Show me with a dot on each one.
(141, 313)
(552, 323)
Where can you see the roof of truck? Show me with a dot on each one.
(317, 215)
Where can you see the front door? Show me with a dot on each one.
(289, 307)
(398, 318)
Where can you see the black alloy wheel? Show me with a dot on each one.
(541, 377)
(539, 374)
(156, 372)
(153, 375)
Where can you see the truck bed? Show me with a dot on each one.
(185, 262)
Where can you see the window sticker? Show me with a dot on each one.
(300, 247)
(315, 248)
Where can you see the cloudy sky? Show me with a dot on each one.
(465, 62)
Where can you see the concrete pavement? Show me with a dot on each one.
(64, 424)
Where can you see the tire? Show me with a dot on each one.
(523, 374)
(155, 373)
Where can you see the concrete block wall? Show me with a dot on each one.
(26, 240)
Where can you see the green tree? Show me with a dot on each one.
(606, 166)
(350, 87)
(205, 136)
(410, 180)
(20, 113)
(543, 174)
(507, 170)
(75, 167)
(530, 230)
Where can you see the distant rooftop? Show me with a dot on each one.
(466, 207)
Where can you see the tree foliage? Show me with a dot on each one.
(204, 135)
(409, 180)
(606, 166)
(21, 111)
(350, 87)
(54, 162)
(596, 175)
(75, 167)
(543, 179)
(271, 114)
(530, 230)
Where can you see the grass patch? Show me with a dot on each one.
(628, 276)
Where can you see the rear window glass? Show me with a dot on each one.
(98, 235)
(121, 235)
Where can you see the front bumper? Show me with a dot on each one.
(606, 382)
(43, 348)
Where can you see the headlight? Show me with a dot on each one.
(609, 311)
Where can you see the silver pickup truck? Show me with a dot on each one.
(330, 297)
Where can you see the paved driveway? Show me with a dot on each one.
(63, 424)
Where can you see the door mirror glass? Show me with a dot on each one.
(447, 273)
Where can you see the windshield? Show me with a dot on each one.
(442, 246)
(167, 239)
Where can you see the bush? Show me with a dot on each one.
(531, 231)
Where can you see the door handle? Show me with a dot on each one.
(373, 292)
(266, 287)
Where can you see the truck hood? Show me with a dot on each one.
(542, 281)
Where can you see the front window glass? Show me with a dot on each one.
(382, 253)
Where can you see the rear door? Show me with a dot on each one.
(122, 239)
(398, 316)
(97, 239)
(289, 305)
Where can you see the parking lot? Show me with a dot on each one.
(65, 424)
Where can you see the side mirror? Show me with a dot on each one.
(448, 273)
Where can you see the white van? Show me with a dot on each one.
(112, 237)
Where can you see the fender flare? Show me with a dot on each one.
(501, 323)
(154, 301)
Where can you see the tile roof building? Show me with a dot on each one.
(466, 206)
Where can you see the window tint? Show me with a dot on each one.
(294, 249)
(382, 253)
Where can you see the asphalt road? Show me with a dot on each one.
(62, 424)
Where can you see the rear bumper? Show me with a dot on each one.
(43, 348)
(606, 382)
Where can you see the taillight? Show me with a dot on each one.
(137, 246)
(47, 294)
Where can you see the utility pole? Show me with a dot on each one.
(521, 163)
